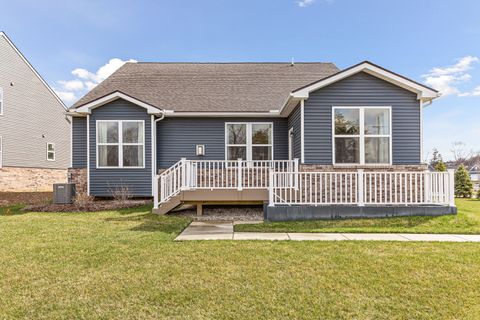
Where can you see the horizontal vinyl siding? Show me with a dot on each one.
(79, 142)
(177, 138)
(32, 116)
(295, 122)
(103, 180)
(362, 90)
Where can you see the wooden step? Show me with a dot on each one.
(168, 206)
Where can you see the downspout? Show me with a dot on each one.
(154, 159)
(155, 140)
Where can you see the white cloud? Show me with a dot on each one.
(67, 97)
(475, 93)
(446, 79)
(87, 80)
(72, 85)
(305, 3)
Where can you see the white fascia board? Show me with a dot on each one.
(423, 93)
(272, 113)
(87, 108)
(2, 34)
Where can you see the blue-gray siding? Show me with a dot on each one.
(295, 122)
(79, 142)
(139, 181)
(362, 90)
(177, 138)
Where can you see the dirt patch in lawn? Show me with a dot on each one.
(222, 213)
(102, 205)
(25, 198)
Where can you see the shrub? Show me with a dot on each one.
(478, 194)
(82, 199)
(463, 183)
(120, 192)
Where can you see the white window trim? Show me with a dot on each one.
(249, 144)
(120, 144)
(362, 136)
(2, 103)
(53, 145)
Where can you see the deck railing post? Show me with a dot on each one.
(239, 174)
(188, 174)
(183, 184)
(271, 185)
(360, 191)
(162, 188)
(295, 176)
(155, 192)
(427, 188)
(451, 187)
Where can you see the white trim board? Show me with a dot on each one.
(87, 108)
(423, 92)
(2, 34)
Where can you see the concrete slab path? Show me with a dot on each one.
(221, 230)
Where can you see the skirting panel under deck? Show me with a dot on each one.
(298, 213)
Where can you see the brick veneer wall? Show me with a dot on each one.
(79, 177)
(392, 168)
(15, 179)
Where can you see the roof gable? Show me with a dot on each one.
(10, 43)
(423, 92)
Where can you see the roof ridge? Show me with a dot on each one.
(226, 62)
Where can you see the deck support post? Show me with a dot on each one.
(360, 191)
(155, 192)
(451, 187)
(239, 174)
(427, 188)
(199, 209)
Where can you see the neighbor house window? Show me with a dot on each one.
(50, 151)
(362, 135)
(1, 101)
(120, 144)
(249, 141)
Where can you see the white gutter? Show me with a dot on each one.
(271, 113)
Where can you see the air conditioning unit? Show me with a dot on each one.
(63, 193)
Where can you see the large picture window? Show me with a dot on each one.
(249, 141)
(120, 144)
(362, 135)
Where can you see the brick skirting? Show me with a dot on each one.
(337, 168)
(14, 179)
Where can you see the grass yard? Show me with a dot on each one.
(467, 221)
(124, 265)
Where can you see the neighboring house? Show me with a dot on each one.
(306, 137)
(34, 130)
(475, 177)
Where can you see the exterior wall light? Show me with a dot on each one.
(200, 150)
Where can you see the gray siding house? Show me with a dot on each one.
(307, 138)
(34, 130)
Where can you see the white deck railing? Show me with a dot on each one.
(217, 174)
(361, 188)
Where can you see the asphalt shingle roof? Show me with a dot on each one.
(211, 87)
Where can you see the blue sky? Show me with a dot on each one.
(434, 42)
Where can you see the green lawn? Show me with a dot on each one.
(124, 265)
(467, 221)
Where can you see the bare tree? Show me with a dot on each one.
(458, 151)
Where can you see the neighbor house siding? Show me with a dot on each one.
(32, 116)
(79, 142)
(362, 89)
(295, 122)
(177, 138)
(139, 181)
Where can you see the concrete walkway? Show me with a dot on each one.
(214, 230)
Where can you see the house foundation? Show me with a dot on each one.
(15, 179)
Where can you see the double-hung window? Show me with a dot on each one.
(362, 135)
(50, 151)
(120, 144)
(249, 141)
